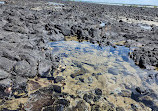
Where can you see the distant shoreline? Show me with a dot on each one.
(119, 4)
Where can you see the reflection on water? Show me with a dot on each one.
(1, 2)
(88, 66)
(69, 47)
(145, 26)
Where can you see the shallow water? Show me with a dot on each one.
(87, 66)
(146, 27)
(1, 2)
(138, 2)
(57, 4)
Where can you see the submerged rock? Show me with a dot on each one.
(98, 91)
(95, 108)
(63, 102)
(44, 68)
(58, 79)
(142, 90)
(38, 100)
(119, 109)
(57, 88)
(81, 106)
(113, 71)
(88, 98)
(75, 75)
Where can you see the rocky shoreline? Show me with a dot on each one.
(26, 28)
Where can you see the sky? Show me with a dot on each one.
(142, 2)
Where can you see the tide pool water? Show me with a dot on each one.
(86, 66)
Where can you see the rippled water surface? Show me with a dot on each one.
(87, 66)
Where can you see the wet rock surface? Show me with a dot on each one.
(27, 64)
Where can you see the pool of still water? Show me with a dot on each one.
(1, 2)
(88, 66)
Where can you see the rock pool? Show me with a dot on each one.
(87, 66)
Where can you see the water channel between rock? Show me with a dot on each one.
(88, 66)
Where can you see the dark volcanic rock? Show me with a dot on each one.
(38, 100)
(20, 83)
(44, 98)
(6, 64)
(3, 74)
(49, 108)
(57, 88)
(88, 98)
(95, 108)
(134, 107)
(24, 69)
(65, 31)
(142, 90)
(144, 57)
(98, 91)
(15, 28)
(75, 75)
(63, 102)
(119, 109)
(94, 33)
(5, 83)
(81, 106)
(58, 79)
(81, 79)
(5, 87)
(44, 68)
(96, 98)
